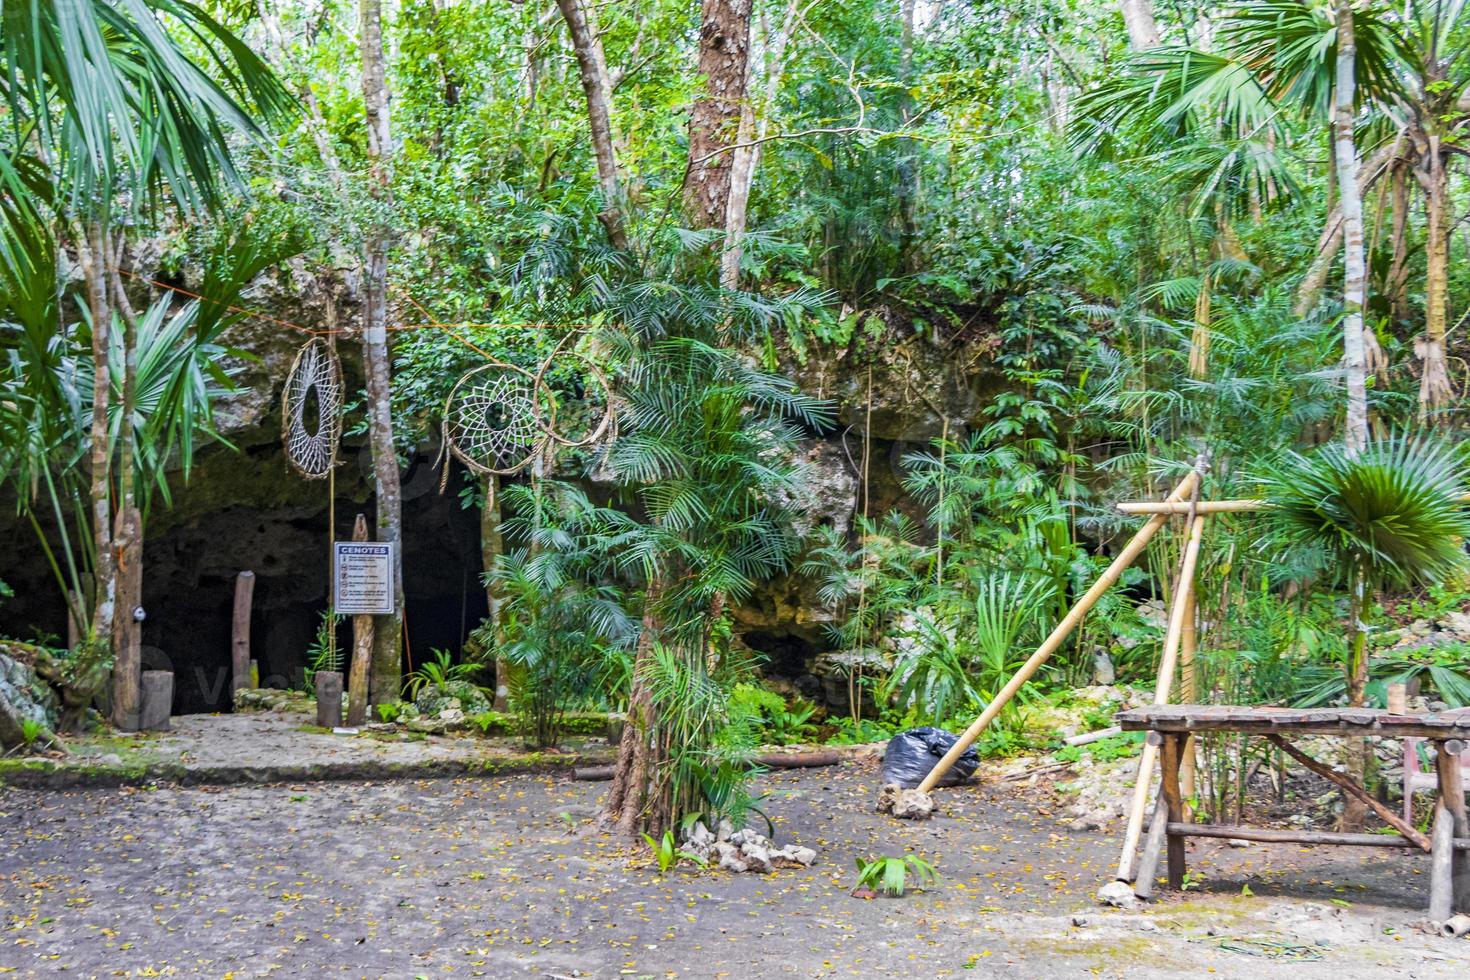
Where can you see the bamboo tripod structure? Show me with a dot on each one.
(1186, 488)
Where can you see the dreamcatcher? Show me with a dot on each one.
(492, 418)
(499, 418)
(311, 410)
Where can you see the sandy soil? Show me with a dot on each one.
(505, 877)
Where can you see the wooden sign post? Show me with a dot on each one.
(362, 649)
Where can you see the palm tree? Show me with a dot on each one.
(707, 456)
(1391, 515)
(1277, 58)
(106, 102)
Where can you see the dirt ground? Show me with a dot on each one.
(505, 877)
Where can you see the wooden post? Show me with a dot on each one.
(328, 698)
(362, 650)
(1442, 865)
(1447, 761)
(1162, 685)
(1049, 646)
(1174, 806)
(240, 633)
(127, 631)
(157, 700)
(1148, 865)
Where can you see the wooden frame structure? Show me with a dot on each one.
(1170, 726)
(1174, 746)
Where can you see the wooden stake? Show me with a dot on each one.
(362, 650)
(240, 633)
(1162, 685)
(1352, 789)
(1049, 646)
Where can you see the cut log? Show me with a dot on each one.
(1091, 737)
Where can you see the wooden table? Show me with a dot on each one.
(1171, 725)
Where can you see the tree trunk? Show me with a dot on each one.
(746, 155)
(127, 634)
(1309, 290)
(91, 251)
(597, 87)
(629, 806)
(492, 546)
(1143, 31)
(1354, 274)
(714, 120)
(388, 633)
(1398, 268)
(908, 178)
(1435, 391)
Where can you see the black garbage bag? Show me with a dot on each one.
(911, 754)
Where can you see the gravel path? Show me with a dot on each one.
(504, 877)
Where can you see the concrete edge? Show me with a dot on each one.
(49, 775)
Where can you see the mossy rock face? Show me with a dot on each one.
(24, 698)
(472, 701)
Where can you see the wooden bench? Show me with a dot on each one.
(1170, 725)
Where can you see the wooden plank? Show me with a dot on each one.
(1322, 721)
(1348, 786)
(1266, 835)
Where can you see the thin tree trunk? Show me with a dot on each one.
(628, 806)
(1354, 273)
(91, 249)
(388, 634)
(1398, 269)
(492, 546)
(1435, 391)
(1309, 290)
(597, 87)
(908, 179)
(1143, 30)
(714, 120)
(745, 158)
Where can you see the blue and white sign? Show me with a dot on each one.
(362, 579)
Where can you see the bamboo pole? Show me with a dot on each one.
(1049, 646)
(1172, 506)
(1188, 689)
(1186, 507)
(1165, 681)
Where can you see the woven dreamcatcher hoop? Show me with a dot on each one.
(492, 418)
(573, 431)
(315, 375)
